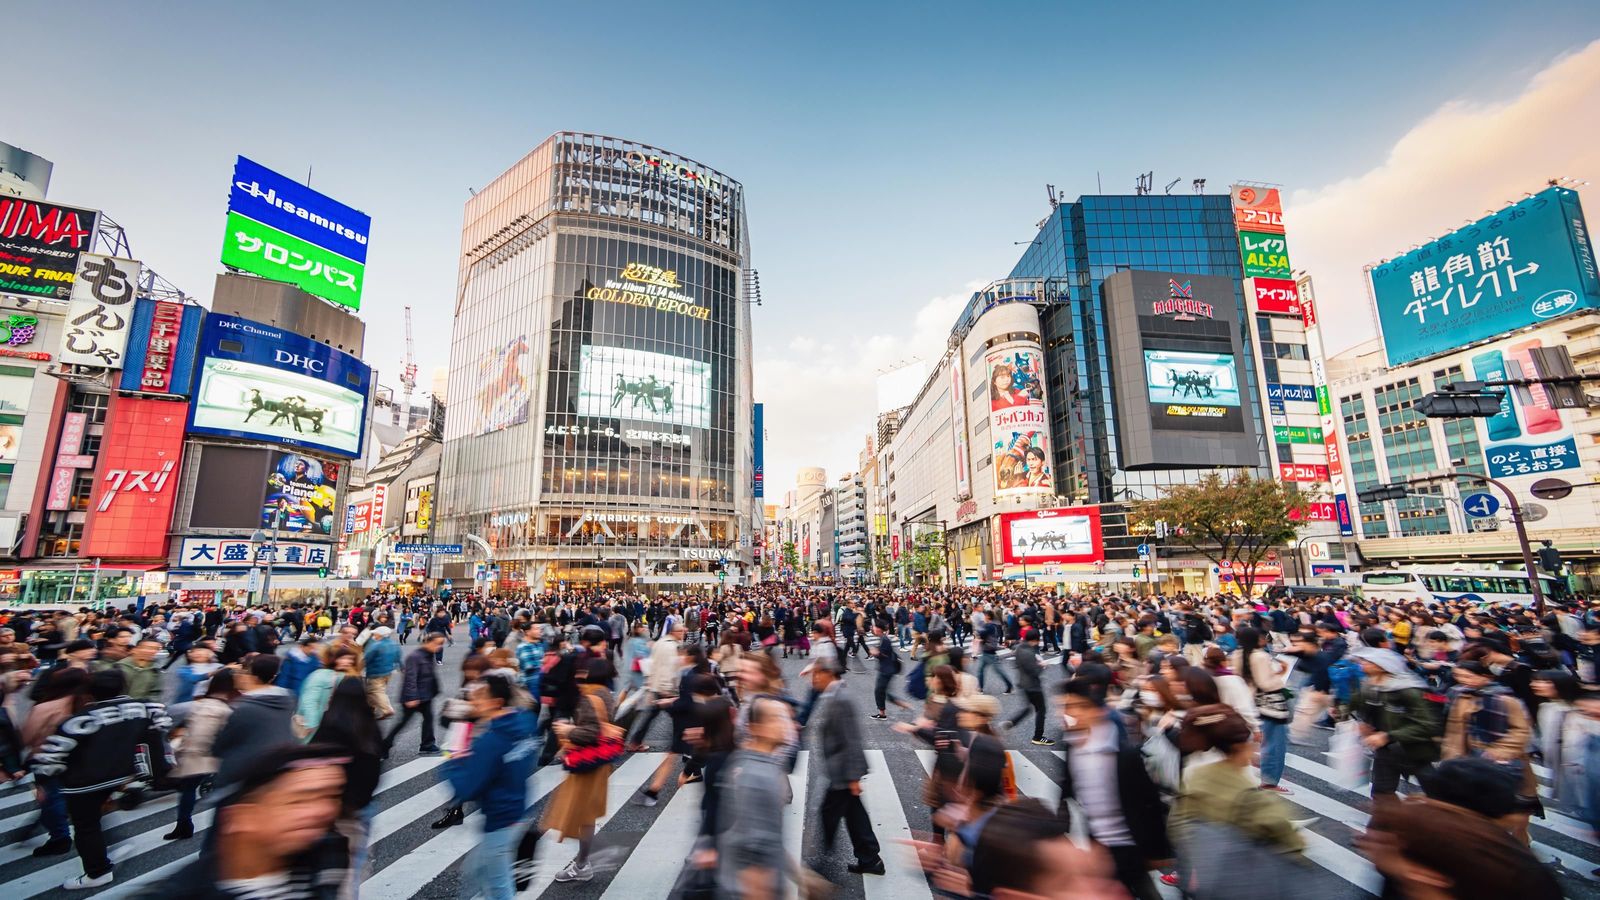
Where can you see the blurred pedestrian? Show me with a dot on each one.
(494, 774)
(580, 799)
(195, 763)
(418, 690)
(838, 741)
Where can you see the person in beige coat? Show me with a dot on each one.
(195, 763)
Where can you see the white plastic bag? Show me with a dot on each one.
(1163, 761)
(1348, 758)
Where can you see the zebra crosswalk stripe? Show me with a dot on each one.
(383, 824)
(664, 847)
(903, 878)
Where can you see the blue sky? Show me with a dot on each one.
(891, 153)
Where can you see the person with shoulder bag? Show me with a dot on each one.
(1273, 704)
(590, 743)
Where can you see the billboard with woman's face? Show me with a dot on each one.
(1019, 430)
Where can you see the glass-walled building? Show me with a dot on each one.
(600, 426)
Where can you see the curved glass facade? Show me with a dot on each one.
(599, 398)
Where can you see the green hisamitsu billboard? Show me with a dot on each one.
(1532, 261)
(266, 251)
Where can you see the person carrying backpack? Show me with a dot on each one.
(1398, 724)
(888, 666)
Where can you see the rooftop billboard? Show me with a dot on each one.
(281, 229)
(1529, 262)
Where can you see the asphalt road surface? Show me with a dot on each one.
(639, 851)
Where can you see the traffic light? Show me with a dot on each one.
(1549, 558)
(1469, 401)
(1382, 492)
(322, 572)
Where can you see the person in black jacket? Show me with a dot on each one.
(112, 741)
(1105, 772)
(417, 692)
(888, 667)
(262, 718)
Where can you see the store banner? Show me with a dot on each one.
(1257, 209)
(69, 449)
(100, 312)
(237, 553)
(136, 479)
(40, 244)
(1019, 429)
(1277, 296)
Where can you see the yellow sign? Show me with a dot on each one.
(666, 278)
(650, 287)
(424, 509)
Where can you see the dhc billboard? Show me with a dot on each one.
(262, 383)
(1527, 263)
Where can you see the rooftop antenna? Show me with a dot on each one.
(1141, 184)
(308, 176)
(1050, 191)
(1199, 185)
(1168, 189)
(1098, 187)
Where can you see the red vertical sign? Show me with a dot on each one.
(136, 479)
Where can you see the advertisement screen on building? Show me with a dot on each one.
(1019, 430)
(1064, 535)
(1176, 376)
(1532, 261)
(281, 229)
(1528, 436)
(300, 494)
(228, 487)
(259, 382)
(617, 383)
(136, 479)
(504, 386)
(40, 244)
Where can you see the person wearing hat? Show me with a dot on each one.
(382, 658)
(1397, 724)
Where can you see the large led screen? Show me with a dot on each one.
(645, 387)
(1062, 535)
(259, 382)
(300, 494)
(1018, 427)
(1176, 376)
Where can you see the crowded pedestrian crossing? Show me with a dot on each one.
(639, 852)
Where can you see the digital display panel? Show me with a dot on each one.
(259, 382)
(642, 386)
(300, 494)
(1207, 379)
(1061, 535)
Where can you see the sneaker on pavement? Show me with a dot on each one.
(1044, 742)
(575, 872)
(647, 799)
(84, 882)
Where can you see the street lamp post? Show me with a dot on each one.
(1299, 560)
(272, 553)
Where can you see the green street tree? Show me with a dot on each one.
(928, 556)
(790, 555)
(883, 564)
(1235, 523)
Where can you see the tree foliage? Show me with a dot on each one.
(928, 556)
(790, 555)
(1235, 523)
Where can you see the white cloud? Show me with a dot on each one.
(1465, 159)
(820, 390)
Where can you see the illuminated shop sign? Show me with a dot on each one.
(634, 518)
(1181, 303)
(1199, 412)
(649, 287)
(670, 170)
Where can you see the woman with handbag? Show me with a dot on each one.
(1273, 704)
(589, 745)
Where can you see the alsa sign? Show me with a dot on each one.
(1181, 304)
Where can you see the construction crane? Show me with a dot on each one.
(408, 371)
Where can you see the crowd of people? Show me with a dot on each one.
(1174, 715)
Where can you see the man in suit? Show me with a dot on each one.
(838, 740)
(1105, 773)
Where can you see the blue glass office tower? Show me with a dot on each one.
(1082, 244)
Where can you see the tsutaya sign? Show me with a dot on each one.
(1181, 303)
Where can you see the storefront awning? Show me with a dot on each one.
(89, 567)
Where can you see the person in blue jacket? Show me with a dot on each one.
(493, 773)
(299, 663)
